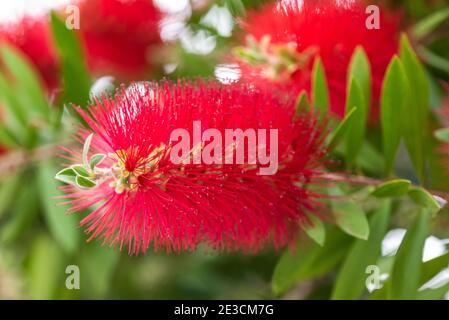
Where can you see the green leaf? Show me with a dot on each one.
(315, 229)
(86, 149)
(16, 118)
(76, 78)
(355, 134)
(320, 92)
(302, 103)
(350, 282)
(23, 215)
(9, 187)
(349, 216)
(80, 170)
(442, 134)
(309, 260)
(432, 267)
(369, 158)
(406, 273)
(96, 160)
(434, 60)
(423, 198)
(430, 23)
(415, 115)
(46, 268)
(393, 99)
(83, 182)
(393, 188)
(236, 7)
(62, 226)
(433, 294)
(360, 70)
(341, 130)
(26, 78)
(67, 175)
(7, 137)
(93, 258)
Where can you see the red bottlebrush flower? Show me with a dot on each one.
(118, 35)
(329, 28)
(33, 37)
(142, 197)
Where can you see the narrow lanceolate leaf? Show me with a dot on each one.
(45, 257)
(96, 160)
(86, 149)
(432, 267)
(26, 78)
(433, 294)
(84, 182)
(350, 283)
(67, 175)
(80, 170)
(341, 130)
(423, 198)
(394, 188)
(315, 230)
(415, 116)
(430, 23)
(62, 226)
(23, 214)
(95, 257)
(406, 274)
(320, 91)
(16, 114)
(76, 77)
(393, 99)
(360, 69)
(356, 132)
(310, 260)
(302, 103)
(349, 216)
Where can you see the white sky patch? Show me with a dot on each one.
(433, 246)
(201, 42)
(170, 68)
(13, 10)
(171, 28)
(220, 19)
(102, 85)
(173, 6)
(227, 73)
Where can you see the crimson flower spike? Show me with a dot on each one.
(164, 167)
(283, 39)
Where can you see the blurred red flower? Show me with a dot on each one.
(33, 37)
(329, 28)
(118, 35)
(148, 199)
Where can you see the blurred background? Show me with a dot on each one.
(180, 38)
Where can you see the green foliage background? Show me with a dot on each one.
(38, 240)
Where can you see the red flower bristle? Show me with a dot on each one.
(331, 29)
(119, 34)
(32, 36)
(178, 206)
(117, 37)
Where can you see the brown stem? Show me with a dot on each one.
(13, 160)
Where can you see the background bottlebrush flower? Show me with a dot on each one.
(119, 35)
(150, 200)
(32, 35)
(297, 32)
